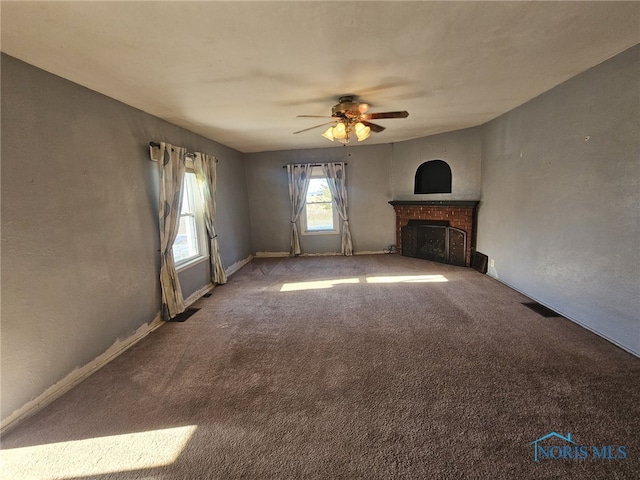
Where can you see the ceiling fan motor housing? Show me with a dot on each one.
(347, 108)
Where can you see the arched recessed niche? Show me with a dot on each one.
(433, 176)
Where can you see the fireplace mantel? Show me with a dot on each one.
(460, 214)
(445, 203)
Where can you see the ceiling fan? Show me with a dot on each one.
(351, 117)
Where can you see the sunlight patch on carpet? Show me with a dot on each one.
(97, 456)
(319, 284)
(408, 279)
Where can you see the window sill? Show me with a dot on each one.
(191, 263)
(320, 232)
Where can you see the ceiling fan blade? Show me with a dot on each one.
(374, 116)
(318, 116)
(374, 127)
(311, 128)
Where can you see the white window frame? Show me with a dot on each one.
(317, 173)
(196, 202)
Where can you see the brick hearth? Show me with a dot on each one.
(460, 214)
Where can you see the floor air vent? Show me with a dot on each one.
(181, 317)
(541, 310)
(479, 262)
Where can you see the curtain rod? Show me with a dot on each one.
(188, 154)
(312, 164)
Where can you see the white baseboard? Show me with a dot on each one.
(327, 254)
(76, 376)
(238, 265)
(197, 294)
(271, 254)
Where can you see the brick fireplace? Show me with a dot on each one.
(459, 214)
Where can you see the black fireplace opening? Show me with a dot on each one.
(434, 240)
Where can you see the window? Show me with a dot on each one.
(319, 215)
(191, 243)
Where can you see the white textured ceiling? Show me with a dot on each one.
(240, 72)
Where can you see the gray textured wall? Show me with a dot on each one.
(194, 278)
(561, 199)
(371, 218)
(79, 225)
(461, 149)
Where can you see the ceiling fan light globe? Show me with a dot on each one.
(339, 131)
(363, 107)
(362, 131)
(364, 136)
(328, 134)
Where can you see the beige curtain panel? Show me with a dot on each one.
(298, 177)
(336, 178)
(171, 169)
(205, 168)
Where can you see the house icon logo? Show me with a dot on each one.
(546, 451)
(554, 446)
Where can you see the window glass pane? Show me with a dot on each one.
(318, 191)
(185, 246)
(319, 216)
(186, 201)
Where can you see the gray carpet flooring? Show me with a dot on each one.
(365, 367)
